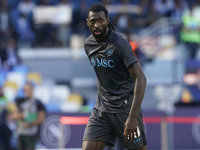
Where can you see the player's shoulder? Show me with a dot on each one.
(119, 39)
(90, 40)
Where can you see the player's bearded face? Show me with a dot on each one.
(98, 24)
(98, 33)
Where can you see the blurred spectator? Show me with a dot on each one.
(6, 28)
(30, 115)
(105, 2)
(190, 31)
(66, 2)
(9, 55)
(3, 3)
(26, 7)
(164, 7)
(152, 15)
(141, 19)
(125, 2)
(46, 32)
(123, 23)
(78, 21)
(177, 12)
(3, 100)
(64, 30)
(25, 33)
(6, 129)
(44, 2)
(46, 36)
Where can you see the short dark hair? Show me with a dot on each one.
(98, 8)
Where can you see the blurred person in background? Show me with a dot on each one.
(46, 32)
(9, 54)
(177, 12)
(24, 30)
(164, 7)
(4, 3)
(7, 131)
(190, 32)
(78, 22)
(6, 27)
(123, 22)
(44, 2)
(65, 30)
(30, 115)
(3, 100)
(106, 2)
(121, 86)
(125, 2)
(152, 15)
(26, 7)
(140, 18)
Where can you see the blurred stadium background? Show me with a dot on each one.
(47, 37)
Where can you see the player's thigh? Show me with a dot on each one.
(141, 148)
(99, 129)
(93, 145)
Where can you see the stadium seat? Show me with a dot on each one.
(76, 41)
(10, 91)
(60, 93)
(70, 106)
(10, 84)
(34, 77)
(2, 80)
(48, 82)
(52, 107)
(21, 68)
(42, 93)
(83, 82)
(75, 97)
(16, 77)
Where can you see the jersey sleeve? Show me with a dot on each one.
(40, 106)
(125, 52)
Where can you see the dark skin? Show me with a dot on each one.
(98, 26)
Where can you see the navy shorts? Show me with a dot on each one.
(107, 127)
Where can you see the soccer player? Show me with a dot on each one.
(121, 86)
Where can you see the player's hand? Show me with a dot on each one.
(130, 129)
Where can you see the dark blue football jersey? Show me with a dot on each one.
(111, 59)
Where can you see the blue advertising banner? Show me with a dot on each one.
(66, 130)
(186, 128)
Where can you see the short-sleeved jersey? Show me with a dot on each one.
(111, 59)
(30, 109)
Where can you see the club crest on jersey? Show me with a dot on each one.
(109, 52)
(93, 62)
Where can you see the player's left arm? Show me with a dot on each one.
(140, 83)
